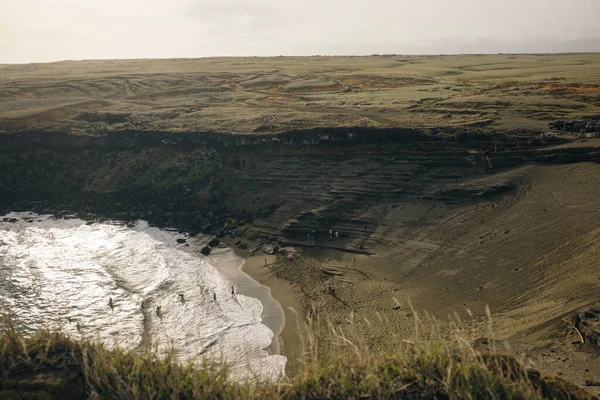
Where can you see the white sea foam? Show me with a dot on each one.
(61, 273)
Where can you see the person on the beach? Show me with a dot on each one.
(158, 311)
(232, 291)
(110, 304)
(330, 233)
(354, 262)
(337, 234)
(215, 296)
(181, 297)
(331, 291)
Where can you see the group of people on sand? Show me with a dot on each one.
(333, 234)
(111, 303)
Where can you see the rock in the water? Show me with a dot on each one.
(268, 249)
(180, 241)
(214, 242)
(205, 250)
(242, 246)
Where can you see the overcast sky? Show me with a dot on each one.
(49, 30)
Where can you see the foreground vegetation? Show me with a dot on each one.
(52, 365)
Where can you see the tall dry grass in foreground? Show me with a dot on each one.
(52, 365)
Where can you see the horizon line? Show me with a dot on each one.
(304, 56)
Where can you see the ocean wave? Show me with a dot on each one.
(61, 274)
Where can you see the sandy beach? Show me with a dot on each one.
(462, 261)
(303, 285)
(287, 339)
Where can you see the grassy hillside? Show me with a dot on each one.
(50, 365)
(243, 95)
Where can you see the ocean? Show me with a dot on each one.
(62, 273)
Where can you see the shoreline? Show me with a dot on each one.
(246, 284)
(287, 339)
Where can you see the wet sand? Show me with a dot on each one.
(246, 284)
(287, 337)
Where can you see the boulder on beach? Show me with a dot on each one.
(180, 241)
(254, 250)
(214, 242)
(205, 250)
(268, 249)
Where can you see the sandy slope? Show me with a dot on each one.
(532, 257)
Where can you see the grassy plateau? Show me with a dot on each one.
(244, 95)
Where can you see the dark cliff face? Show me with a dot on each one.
(289, 184)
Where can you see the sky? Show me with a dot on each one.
(53, 30)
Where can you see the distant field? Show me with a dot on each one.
(244, 95)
